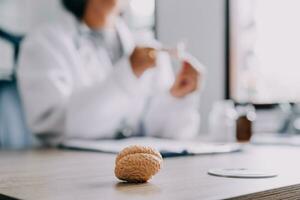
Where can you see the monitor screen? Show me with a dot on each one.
(264, 46)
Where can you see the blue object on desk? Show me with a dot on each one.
(169, 154)
(14, 133)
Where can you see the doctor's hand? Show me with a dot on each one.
(142, 59)
(186, 81)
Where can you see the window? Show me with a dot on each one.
(140, 16)
(18, 17)
(264, 51)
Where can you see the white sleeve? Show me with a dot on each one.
(172, 117)
(97, 112)
(53, 109)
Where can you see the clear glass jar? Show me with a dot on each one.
(222, 121)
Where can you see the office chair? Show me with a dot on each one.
(14, 134)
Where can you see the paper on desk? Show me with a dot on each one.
(276, 139)
(162, 145)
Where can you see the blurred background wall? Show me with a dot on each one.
(201, 23)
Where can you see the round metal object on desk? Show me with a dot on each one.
(242, 173)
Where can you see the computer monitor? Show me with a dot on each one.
(263, 51)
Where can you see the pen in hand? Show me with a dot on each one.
(179, 52)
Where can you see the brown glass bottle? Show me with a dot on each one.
(243, 129)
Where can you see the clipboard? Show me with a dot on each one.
(167, 147)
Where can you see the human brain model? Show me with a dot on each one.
(137, 164)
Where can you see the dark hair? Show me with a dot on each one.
(76, 7)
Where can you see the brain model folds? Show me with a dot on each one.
(137, 164)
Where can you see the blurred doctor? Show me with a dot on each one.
(85, 77)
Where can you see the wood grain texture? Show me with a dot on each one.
(288, 192)
(54, 174)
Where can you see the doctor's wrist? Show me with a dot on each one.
(142, 59)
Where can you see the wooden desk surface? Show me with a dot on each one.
(55, 174)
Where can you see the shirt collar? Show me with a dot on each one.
(83, 29)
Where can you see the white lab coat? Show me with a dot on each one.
(70, 90)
